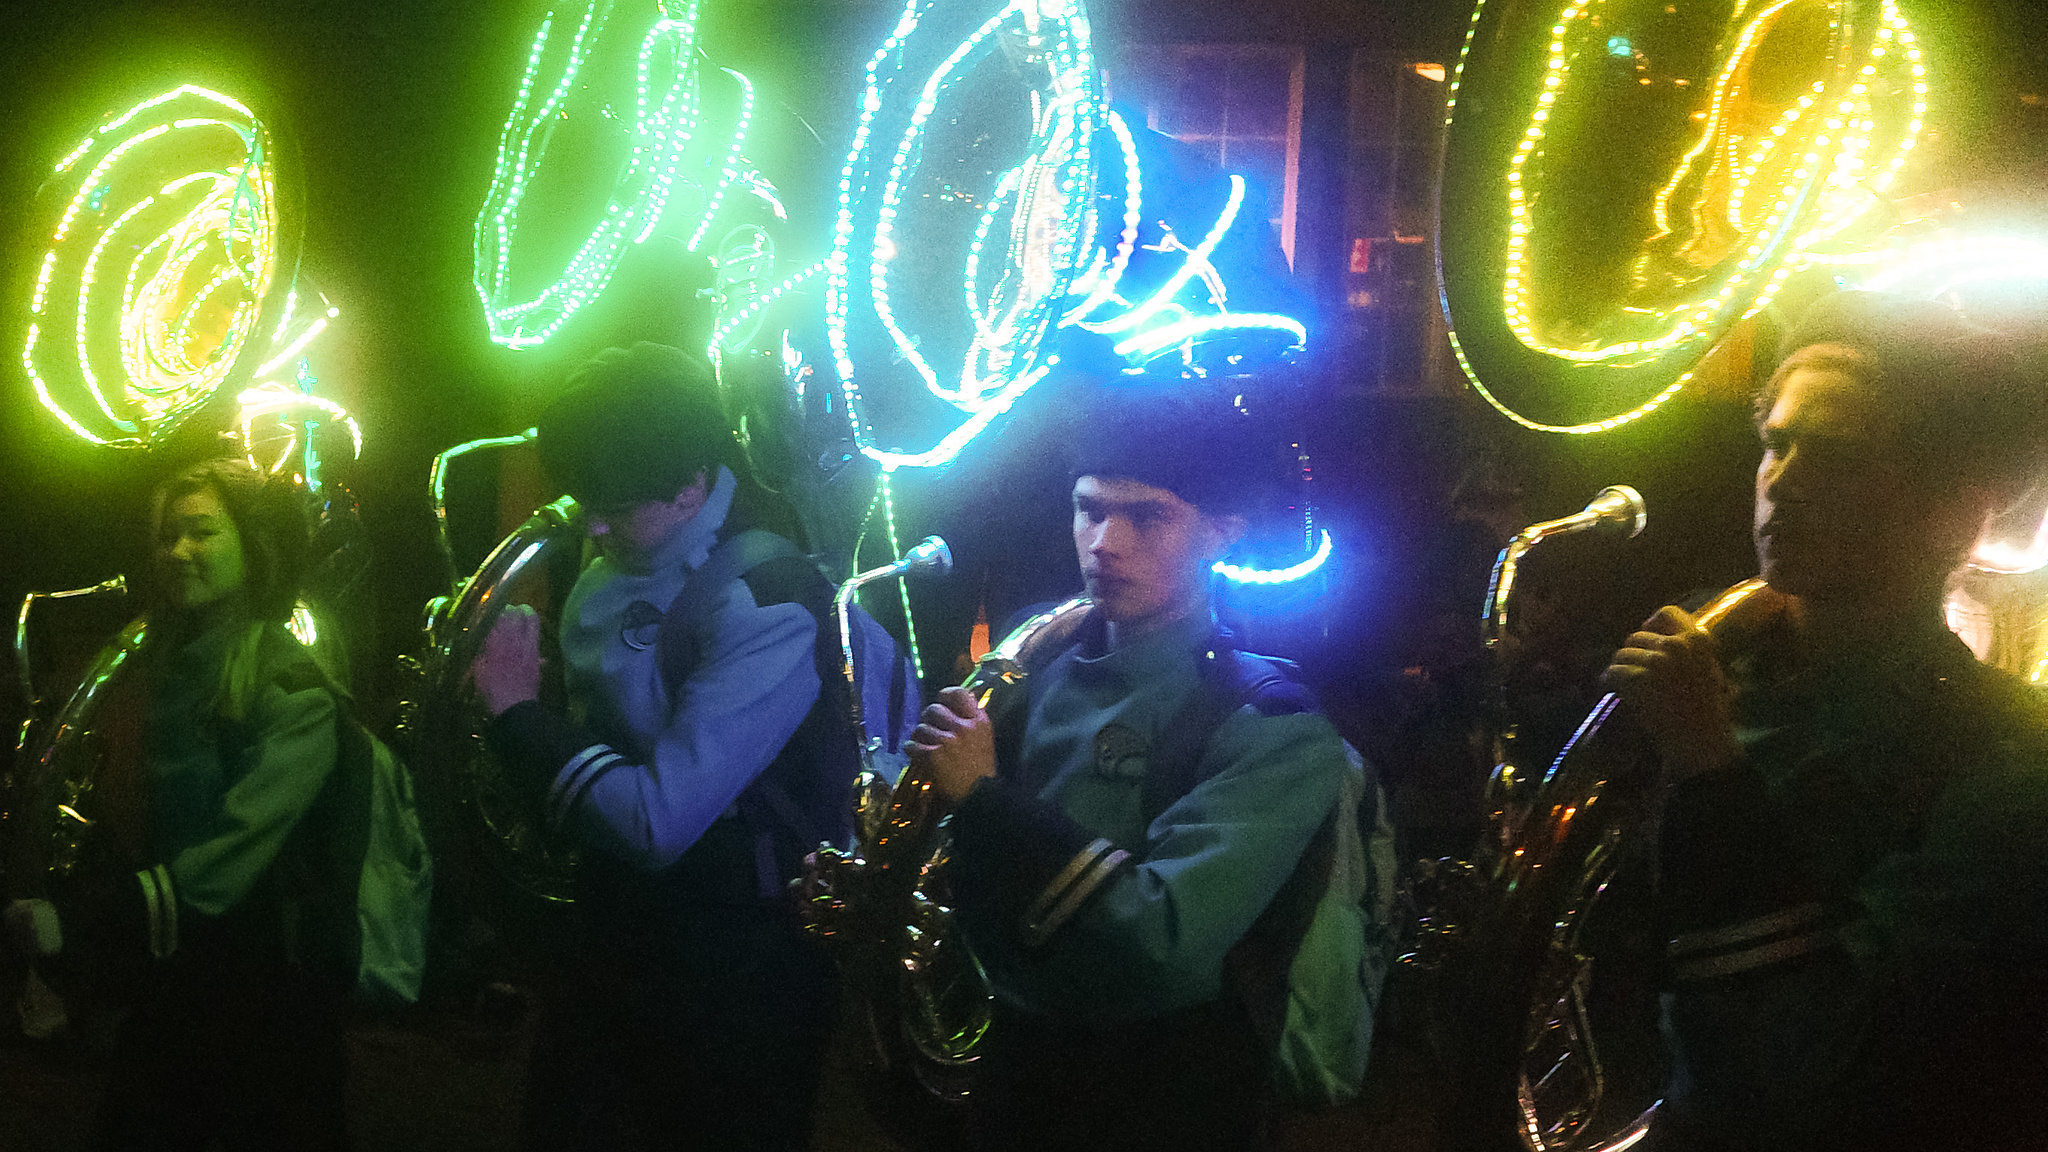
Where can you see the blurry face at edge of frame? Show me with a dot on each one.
(199, 550)
(1145, 552)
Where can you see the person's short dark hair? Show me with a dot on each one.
(635, 424)
(269, 517)
(1965, 411)
(1204, 446)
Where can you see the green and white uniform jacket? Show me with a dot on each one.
(1078, 907)
(1857, 912)
(247, 833)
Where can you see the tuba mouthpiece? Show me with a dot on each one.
(1619, 506)
(932, 556)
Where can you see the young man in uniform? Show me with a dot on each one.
(1855, 837)
(1106, 870)
(696, 1013)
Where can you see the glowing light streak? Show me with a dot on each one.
(278, 402)
(954, 441)
(1047, 201)
(1156, 340)
(757, 305)
(902, 585)
(1240, 574)
(1197, 261)
(731, 168)
(1585, 429)
(666, 138)
(1102, 277)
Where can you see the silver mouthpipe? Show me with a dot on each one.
(931, 555)
(1618, 507)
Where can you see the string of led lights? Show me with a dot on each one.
(1242, 574)
(1777, 193)
(721, 336)
(1032, 263)
(667, 147)
(182, 185)
(902, 586)
(277, 401)
(1049, 207)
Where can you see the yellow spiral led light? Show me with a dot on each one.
(1640, 177)
(164, 274)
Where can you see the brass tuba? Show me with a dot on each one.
(1539, 947)
(1552, 883)
(53, 818)
(443, 722)
(1508, 940)
(886, 902)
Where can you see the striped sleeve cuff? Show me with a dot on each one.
(575, 779)
(553, 752)
(1022, 866)
(160, 906)
(1751, 945)
(1070, 888)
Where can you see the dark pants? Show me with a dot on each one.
(1189, 1082)
(256, 1060)
(704, 1031)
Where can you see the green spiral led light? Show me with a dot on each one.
(671, 155)
(168, 271)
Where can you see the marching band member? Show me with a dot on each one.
(1854, 841)
(694, 766)
(1152, 804)
(244, 917)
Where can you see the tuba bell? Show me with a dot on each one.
(886, 902)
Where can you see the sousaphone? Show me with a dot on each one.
(1624, 183)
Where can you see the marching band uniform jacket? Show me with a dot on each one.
(641, 769)
(249, 908)
(1104, 934)
(1075, 904)
(247, 845)
(693, 1013)
(1858, 910)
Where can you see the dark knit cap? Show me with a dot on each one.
(1204, 446)
(635, 424)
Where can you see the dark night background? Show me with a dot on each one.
(394, 110)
